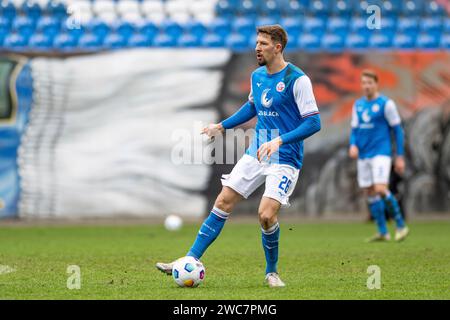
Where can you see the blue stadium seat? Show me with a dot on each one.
(390, 8)
(446, 25)
(408, 25)
(293, 8)
(171, 28)
(148, 29)
(75, 30)
(196, 28)
(333, 42)
(124, 29)
(434, 9)
(139, 40)
(404, 41)
(389, 24)
(90, 41)
(98, 28)
(445, 42)
(337, 25)
(188, 41)
(24, 26)
(64, 42)
(7, 10)
(40, 42)
(359, 7)
(164, 40)
(220, 27)
(244, 26)
(292, 25)
(5, 25)
(236, 42)
(359, 25)
(412, 7)
(226, 8)
(212, 40)
(341, 8)
(247, 8)
(15, 42)
(270, 8)
(315, 25)
(115, 41)
(32, 10)
(308, 42)
(431, 25)
(319, 7)
(49, 26)
(380, 40)
(56, 9)
(356, 41)
(262, 21)
(427, 41)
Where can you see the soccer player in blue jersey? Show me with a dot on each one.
(282, 99)
(374, 116)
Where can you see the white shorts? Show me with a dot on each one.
(374, 170)
(248, 174)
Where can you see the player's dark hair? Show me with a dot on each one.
(370, 74)
(276, 33)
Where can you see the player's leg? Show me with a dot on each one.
(280, 183)
(270, 235)
(243, 180)
(377, 208)
(394, 210)
(381, 172)
(213, 224)
(375, 203)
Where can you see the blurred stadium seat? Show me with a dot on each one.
(323, 24)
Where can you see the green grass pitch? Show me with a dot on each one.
(317, 261)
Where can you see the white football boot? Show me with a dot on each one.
(273, 280)
(379, 238)
(400, 234)
(165, 267)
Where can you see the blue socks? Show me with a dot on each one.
(376, 206)
(208, 232)
(394, 209)
(270, 239)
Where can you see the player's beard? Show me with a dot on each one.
(262, 62)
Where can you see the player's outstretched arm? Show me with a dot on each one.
(244, 114)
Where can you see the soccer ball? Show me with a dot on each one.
(188, 272)
(173, 223)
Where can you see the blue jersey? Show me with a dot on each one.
(282, 101)
(372, 121)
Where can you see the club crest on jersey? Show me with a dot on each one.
(375, 108)
(265, 101)
(365, 116)
(280, 86)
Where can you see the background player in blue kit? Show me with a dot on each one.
(374, 116)
(282, 98)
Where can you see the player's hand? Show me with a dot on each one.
(212, 130)
(353, 152)
(268, 149)
(399, 165)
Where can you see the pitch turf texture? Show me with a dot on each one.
(317, 261)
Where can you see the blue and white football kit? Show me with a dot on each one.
(372, 123)
(285, 106)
